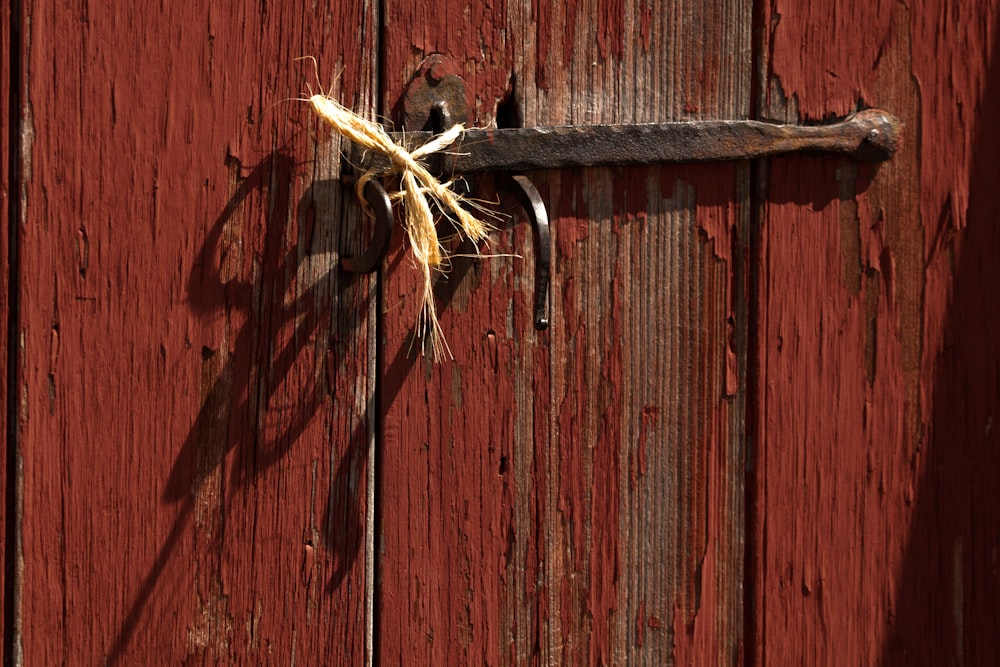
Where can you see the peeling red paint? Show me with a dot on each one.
(732, 363)
(9, 118)
(610, 28)
(570, 20)
(682, 654)
(501, 474)
(572, 230)
(843, 47)
(602, 601)
(645, 21)
(184, 352)
(308, 562)
(543, 16)
(897, 359)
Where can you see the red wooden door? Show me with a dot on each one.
(759, 429)
(188, 470)
(574, 496)
(874, 511)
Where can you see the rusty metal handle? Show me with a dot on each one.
(436, 97)
(872, 136)
(528, 196)
(380, 205)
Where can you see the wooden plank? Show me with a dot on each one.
(195, 396)
(575, 496)
(876, 334)
(9, 208)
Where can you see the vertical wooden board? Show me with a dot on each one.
(458, 570)
(195, 394)
(575, 495)
(9, 199)
(877, 386)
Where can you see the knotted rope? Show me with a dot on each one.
(416, 183)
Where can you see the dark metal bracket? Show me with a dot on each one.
(527, 195)
(435, 99)
(381, 206)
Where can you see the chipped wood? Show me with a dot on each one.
(196, 385)
(877, 453)
(575, 496)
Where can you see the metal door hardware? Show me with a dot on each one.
(435, 100)
(870, 136)
(381, 207)
(527, 195)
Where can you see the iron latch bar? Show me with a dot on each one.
(435, 99)
(871, 136)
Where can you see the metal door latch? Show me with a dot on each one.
(436, 98)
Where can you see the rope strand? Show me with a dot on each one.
(417, 183)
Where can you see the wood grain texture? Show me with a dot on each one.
(10, 48)
(574, 496)
(196, 387)
(875, 530)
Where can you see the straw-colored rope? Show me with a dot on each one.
(416, 182)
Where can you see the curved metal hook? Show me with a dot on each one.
(371, 259)
(527, 195)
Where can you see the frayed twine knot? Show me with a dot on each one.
(416, 184)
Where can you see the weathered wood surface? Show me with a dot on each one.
(574, 496)
(877, 457)
(9, 202)
(194, 412)
(195, 380)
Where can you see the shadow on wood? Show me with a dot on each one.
(948, 590)
(254, 283)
